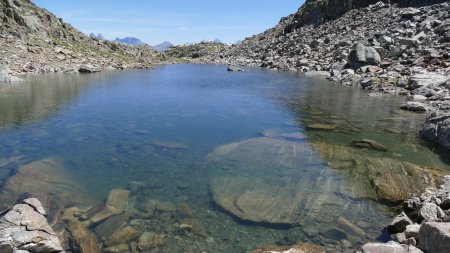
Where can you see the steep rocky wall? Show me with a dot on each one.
(317, 11)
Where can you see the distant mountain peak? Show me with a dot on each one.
(130, 41)
(163, 46)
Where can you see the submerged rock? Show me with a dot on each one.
(169, 145)
(262, 198)
(370, 144)
(45, 177)
(382, 178)
(321, 126)
(24, 228)
(82, 239)
(116, 203)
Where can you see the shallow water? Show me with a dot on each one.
(164, 134)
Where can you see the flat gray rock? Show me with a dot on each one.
(435, 237)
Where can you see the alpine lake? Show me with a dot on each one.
(204, 160)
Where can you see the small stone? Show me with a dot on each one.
(431, 212)
(400, 237)
(412, 231)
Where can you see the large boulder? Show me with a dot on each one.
(428, 80)
(437, 130)
(25, 228)
(362, 55)
(435, 237)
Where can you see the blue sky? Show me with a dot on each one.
(178, 21)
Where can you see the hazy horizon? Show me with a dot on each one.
(176, 21)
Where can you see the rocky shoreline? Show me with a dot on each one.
(384, 48)
(423, 226)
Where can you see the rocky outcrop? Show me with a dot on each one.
(319, 11)
(24, 228)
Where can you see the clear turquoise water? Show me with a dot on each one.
(104, 128)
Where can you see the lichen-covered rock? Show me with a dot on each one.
(24, 228)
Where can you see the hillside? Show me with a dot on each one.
(36, 41)
(383, 47)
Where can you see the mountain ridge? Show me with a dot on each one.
(36, 41)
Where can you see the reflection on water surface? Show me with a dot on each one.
(191, 158)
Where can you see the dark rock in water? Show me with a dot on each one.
(24, 228)
(89, 69)
(435, 237)
(414, 107)
(399, 224)
(233, 68)
(437, 130)
(370, 144)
